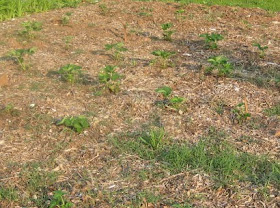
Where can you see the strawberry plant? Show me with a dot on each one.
(29, 28)
(58, 200)
(70, 73)
(117, 49)
(261, 49)
(169, 101)
(239, 113)
(167, 32)
(110, 78)
(77, 123)
(163, 58)
(219, 66)
(212, 39)
(19, 54)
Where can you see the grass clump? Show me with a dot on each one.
(66, 18)
(19, 54)
(77, 123)
(71, 73)
(29, 27)
(273, 111)
(110, 78)
(219, 66)
(154, 138)
(169, 101)
(8, 194)
(211, 40)
(240, 114)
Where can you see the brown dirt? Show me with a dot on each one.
(31, 135)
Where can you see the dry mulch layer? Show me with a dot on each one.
(33, 150)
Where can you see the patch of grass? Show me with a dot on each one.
(29, 27)
(9, 194)
(273, 111)
(153, 139)
(273, 5)
(211, 154)
(59, 200)
(17, 8)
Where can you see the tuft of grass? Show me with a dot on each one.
(59, 200)
(8, 194)
(154, 138)
(29, 27)
(273, 111)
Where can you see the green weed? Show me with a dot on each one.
(173, 102)
(154, 138)
(77, 123)
(163, 58)
(219, 66)
(104, 10)
(262, 49)
(167, 32)
(110, 78)
(212, 39)
(59, 201)
(29, 28)
(66, 18)
(273, 111)
(9, 194)
(71, 73)
(10, 109)
(19, 54)
(117, 50)
(240, 114)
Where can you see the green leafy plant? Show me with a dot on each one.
(154, 138)
(167, 32)
(110, 78)
(29, 27)
(77, 123)
(163, 58)
(180, 15)
(19, 54)
(169, 101)
(68, 41)
(70, 73)
(117, 49)
(58, 200)
(239, 113)
(212, 39)
(66, 18)
(262, 49)
(219, 66)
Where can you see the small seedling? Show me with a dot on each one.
(167, 32)
(154, 138)
(29, 28)
(110, 78)
(240, 114)
(77, 123)
(66, 18)
(58, 200)
(173, 102)
(219, 66)
(212, 39)
(179, 15)
(261, 49)
(70, 73)
(117, 49)
(10, 109)
(68, 41)
(19, 54)
(163, 58)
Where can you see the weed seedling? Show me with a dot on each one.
(59, 201)
(68, 41)
(154, 138)
(167, 32)
(77, 123)
(261, 49)
(110, 78)
(240, 114)
(70, 73)
(163, 58)
(211, 40)
(104, 10)
(173, 102)
(18, 55)
(29, 27)
(117, 49)
(66, 18)
(219, 66)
